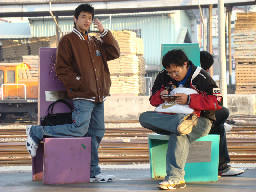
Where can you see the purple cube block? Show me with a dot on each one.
(67, 160)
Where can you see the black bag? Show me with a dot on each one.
(58, 118)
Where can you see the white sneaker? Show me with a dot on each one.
(101, 178)
(232, 172)
(28, 127)
(31, 144)
(227, 127)
(169, 185)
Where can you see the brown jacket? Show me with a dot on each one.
(82, 65)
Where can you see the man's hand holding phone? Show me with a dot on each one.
(166, 97)
(170, 98)
(181, 98)
(98, 25)
(164, 92)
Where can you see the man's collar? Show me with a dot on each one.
(79, 34)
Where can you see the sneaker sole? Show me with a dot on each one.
(178, 186)
(29, 145)
(97, 181)
(187, 124)
(230, 174)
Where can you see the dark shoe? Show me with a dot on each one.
(231, 121)
(168, 185)
(187, 123)
(223, 168)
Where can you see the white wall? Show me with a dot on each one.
(130, 107)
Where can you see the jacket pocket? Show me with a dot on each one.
(107, 84)
(84, 85)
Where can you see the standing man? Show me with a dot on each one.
(206, 60)
(82, 67)
(183, 129)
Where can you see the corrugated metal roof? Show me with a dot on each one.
(15, 31)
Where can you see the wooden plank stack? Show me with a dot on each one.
(245, 53)
(37, 42)
(12, 50)
(1, 54)
(142, 72)
(127, 72)
(33, 62)
(127, 41)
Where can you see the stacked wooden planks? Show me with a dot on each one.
(245, 53)
(127, 72)
(1, 53)
(37, 42)
(12, 50)
(32, 61)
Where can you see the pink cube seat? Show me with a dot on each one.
(63, 160)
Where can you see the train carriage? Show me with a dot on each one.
(18, 93)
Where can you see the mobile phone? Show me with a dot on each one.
(170, 96)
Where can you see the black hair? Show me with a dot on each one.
(83, 8)
(206, 60)
(175, 56)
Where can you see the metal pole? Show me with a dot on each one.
(50, 11)
(57, 33)
(210, 35)
(226, 38)
(58, 30)
(229, 47)
(202, 18)
(110, 22)
(222, 60)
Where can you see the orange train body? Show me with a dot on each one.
(18, 90)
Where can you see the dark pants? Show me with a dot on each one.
(218, 128)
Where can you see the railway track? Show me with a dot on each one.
(128, 144)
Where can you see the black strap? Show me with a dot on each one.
(51, 106)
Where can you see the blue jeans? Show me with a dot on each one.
(88, 120)
(178, 145)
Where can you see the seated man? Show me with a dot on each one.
(183, 129)
(218, 127)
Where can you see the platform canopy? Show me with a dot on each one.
(32, 8)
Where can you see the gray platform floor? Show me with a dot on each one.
(127, 180)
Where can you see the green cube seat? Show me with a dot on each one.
(202, 162)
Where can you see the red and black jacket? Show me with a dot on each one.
(205, 101)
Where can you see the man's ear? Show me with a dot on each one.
(186, 64)
(74, 19)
